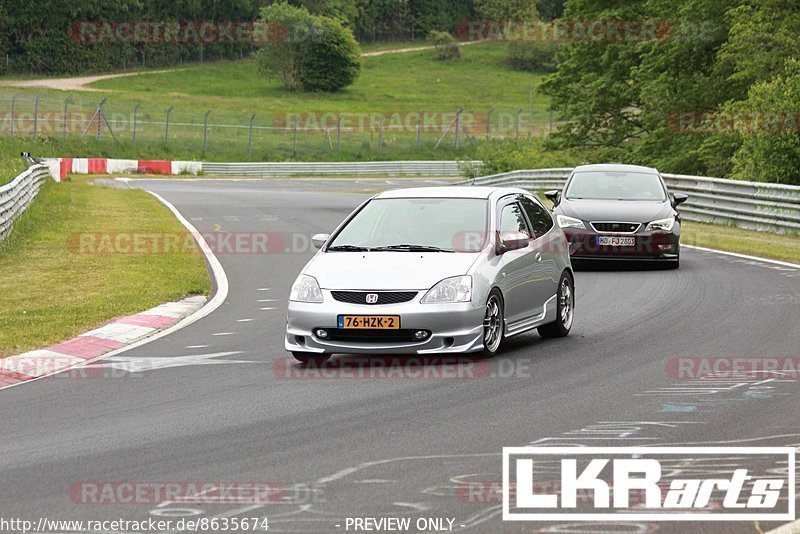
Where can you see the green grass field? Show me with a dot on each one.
(51, 290)
(395, 86)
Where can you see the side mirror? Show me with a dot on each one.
(319, 239)
(512, 241)
(552, 195)
(679, 198)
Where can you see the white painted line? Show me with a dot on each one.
(196, 346)
(244, 320)
(265, 309)
(744, 256)
(788, 528)
(216, 301)
(224, 334)
(263, 288)
(267, 300)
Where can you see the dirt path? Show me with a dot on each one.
(81, 83)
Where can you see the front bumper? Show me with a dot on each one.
(454, 328)
(649, 246)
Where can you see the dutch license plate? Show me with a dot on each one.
(379, 322)
(614, 241)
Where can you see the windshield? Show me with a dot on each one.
(414, 224)
(608, 185)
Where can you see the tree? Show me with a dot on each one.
(286, 28)
(305, 51)
(769, 123)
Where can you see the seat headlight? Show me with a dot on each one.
(455, 289)
(306, 289)
(663, 225)
(570, 222)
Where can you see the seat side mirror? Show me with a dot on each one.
(679, 198)
(318, 240)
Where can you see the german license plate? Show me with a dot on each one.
(372, 322)
(615, 241)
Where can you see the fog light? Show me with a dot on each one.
(321, 333)
(421, 334)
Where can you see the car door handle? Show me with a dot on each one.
(538, 256)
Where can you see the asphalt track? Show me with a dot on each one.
(350, 447)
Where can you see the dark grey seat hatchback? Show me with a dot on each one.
(619, 212)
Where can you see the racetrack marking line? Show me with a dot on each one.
(267, 300)
(224, 334)
(196, 346)
(743, 256)
(266, 309)
(264, 288)
(220, 279)
(244, 320)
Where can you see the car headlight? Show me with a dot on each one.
(455, 289)
(570, 222)
(306, 289)
(664, 225)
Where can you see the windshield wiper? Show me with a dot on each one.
(348, 248)
(412, 248)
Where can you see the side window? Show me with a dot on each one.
(512, 220)
(540, 218)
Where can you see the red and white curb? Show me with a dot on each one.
(123, 334)
(61, 167)
(90, 346)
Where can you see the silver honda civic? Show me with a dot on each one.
(436, 270)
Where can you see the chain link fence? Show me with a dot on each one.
(262, 131)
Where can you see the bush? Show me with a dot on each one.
(534, 57)
(305, 51)
(446, 45)
(333, 61)
(505, 155)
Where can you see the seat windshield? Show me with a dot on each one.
(608, 185)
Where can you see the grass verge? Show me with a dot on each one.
(10, 168)
(50, 291)
(764, 244)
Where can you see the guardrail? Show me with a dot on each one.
(17, 195)
(749, 205)
(361, 168)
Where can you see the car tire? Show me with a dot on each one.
(493, 323)
(565, 309)
(311, 358)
